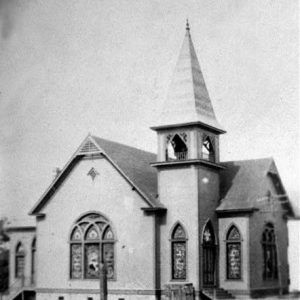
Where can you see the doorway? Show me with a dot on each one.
(209, 255)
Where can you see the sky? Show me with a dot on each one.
(68, 68)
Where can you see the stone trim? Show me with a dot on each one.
(96, 291)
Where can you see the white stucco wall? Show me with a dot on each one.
(178, 193)
(242, 223)
(294, 254)
(112, 196)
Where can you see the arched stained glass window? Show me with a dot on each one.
(233, 234)
(19, 260)
(233, 253)
(76, 235)
(108, 251)
(270, 269)
(178, 246)
(91, 242)
(92, 233)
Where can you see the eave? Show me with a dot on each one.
(77, 156)
(189, 125)
(20, 228)
(235, 211)
(154, 210)
(293, 218)
(188, 162)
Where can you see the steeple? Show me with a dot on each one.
(188, 101)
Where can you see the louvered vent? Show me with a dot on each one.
(89, 147)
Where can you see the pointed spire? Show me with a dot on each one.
(188, 100)
(187, 25)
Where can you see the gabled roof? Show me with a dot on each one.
(133, 164)
(244, 184)
(188, 100)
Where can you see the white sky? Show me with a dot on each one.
(72, 67)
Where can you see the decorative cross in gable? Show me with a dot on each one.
(93, 173)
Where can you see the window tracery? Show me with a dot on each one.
(178, 246)
(270, 268)
(233, 253)
(91, 242)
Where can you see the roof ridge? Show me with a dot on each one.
(124, 145)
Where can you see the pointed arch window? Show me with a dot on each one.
(33, 259)
(270, 269)
(209, 254)
(233, 253)
(176, 147)
(179, 253)
(19, 261)
(91, 243)
(208, 152)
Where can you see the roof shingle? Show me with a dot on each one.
(243, 183)
(135, 164)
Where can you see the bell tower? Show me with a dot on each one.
(188, 128)
(188, 168)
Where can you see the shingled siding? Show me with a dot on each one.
(257, 223)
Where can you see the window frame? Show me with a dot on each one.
(183, 241)
(19, 253)
(33, 260)
(211, 153)
(237, 242)
(83, 241)
(183, 155)
(272, 246)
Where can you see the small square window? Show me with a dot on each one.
(61, 298)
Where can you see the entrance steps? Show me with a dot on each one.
(23, 294)
(218, 293)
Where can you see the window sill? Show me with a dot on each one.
(234, 280)
(90, 279)
(178, 280)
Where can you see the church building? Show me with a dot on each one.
(178, 224)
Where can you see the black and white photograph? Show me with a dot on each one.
(149, 150)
